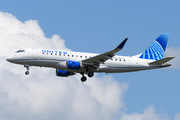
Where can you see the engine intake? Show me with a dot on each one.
(62, 73)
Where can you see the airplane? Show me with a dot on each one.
(68, 63)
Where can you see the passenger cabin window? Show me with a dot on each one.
(72, 55)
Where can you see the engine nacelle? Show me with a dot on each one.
(62, 73)
(73, 65)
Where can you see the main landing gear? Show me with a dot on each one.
(27, 67)
(90, 74)
(83, 79)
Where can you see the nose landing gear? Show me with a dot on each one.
(27, 67)
(27, 72)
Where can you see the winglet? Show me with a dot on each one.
(121, 45)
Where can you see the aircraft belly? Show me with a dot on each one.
(112, 69)
(116, 69)
(38, 62)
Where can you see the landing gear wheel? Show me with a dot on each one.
(27, 72)
(27, 67)
(90, 74)
(83, 79)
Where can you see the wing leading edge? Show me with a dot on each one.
(96, 60)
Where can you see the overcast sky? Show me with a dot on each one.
(88, 26)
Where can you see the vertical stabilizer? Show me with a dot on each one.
(157, 49)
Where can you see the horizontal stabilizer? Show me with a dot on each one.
(164, 60)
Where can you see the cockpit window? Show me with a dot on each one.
(20, 51)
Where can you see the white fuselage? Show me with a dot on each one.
(57, 59)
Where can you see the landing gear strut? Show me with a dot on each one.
(27, 67)
(90, 73)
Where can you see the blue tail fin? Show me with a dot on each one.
(157, 49)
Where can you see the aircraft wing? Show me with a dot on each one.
(96, 60)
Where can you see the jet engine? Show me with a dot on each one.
(62, 73)
(74, 65)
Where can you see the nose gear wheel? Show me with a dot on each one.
(27, 72)
(27, 67)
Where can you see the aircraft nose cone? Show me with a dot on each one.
(9, 59)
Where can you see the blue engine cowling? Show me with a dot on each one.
(62, 73)
(73, 65)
